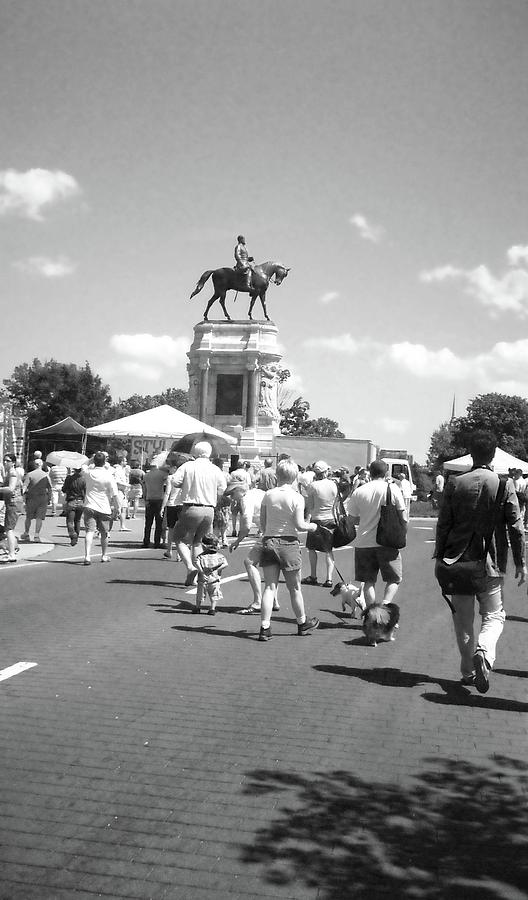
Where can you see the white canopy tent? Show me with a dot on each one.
(153, 430)
(502, 463)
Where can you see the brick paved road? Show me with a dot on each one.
(155, 754)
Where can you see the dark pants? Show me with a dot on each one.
(73, 521)
(152, 514)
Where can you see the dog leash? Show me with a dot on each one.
(339, 573)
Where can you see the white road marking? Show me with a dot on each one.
(16, 669)
(43, 562)
(240, 575)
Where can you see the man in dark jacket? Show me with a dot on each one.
(465, 517)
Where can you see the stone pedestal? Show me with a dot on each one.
(232, 381)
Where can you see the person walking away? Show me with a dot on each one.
(8, 493)
(136, 478)
(37, 490)
(466, 514)
(521, 486)
(101, 501)
(172, 504)
(74, 490)
(210, 564)
(202, 484)
(121, 475)
(321, 496)
(250, 502)
(154, 490)
(281, 518)
(57, 476)
(268, 476)
(371, 560)
(405, 488)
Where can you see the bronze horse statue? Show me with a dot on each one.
(228, 279)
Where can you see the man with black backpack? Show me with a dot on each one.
(477, 511)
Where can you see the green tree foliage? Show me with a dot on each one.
(443, 446)
(295, 421)
(505, 416)
(176, 397)
(49, 391)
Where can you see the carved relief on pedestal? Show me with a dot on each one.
(268, 393)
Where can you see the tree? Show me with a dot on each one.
(176, 397)
(295, 421)
(505, 416)
(443, 446)
(49, 391)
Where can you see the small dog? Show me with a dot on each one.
(352, 596)
(380, 621)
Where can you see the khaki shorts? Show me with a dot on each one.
(94, 520)
(371, 561)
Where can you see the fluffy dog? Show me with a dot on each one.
(352, 596)
(380, 621)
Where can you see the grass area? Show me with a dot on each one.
(423, 508)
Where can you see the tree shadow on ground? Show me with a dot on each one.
(458, 831)
(454, 693)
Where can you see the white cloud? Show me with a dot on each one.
(329, 296)
(503, 293)
(518, 255)
(162, 350)
(26, 193)
(45, 266)
(393, 426)
(146, 356)
(503, 365)
(367, 230)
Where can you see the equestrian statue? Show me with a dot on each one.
(245, 277)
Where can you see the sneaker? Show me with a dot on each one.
(105, 559)
(167, 554)
(309, 580)
(468, 680)
(250, 611)
(24, 537)
(265, 634)
(87, 562)
(327, 584)
(36, 539)
(482, 671)
(211, 612)
(308, 626)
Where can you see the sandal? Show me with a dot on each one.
(309, 580)
(327, 584)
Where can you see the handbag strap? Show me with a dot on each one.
(498, 498)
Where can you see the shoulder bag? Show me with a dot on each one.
(392, 527)
(345, 531)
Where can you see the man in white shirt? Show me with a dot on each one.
(371, 559)
(100, 503)
(202, 484)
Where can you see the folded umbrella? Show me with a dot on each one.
(68, 458)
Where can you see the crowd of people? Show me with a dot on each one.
(194, 507)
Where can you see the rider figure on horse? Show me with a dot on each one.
(243, 261)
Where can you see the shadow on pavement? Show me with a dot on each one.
(215, 632)
(457, 831)
(454, 693)
(514, 673)
(149, 583)
(515, 619)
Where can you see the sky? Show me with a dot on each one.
(376, 147)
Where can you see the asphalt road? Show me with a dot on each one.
(152, 753)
